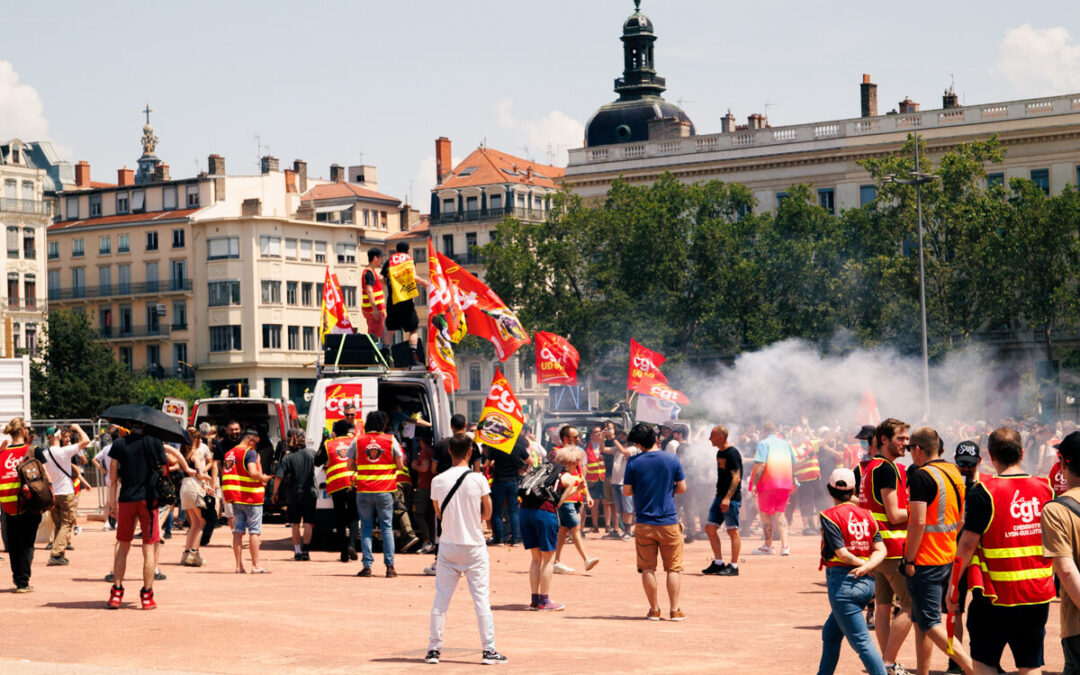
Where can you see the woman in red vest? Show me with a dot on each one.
(20, 525)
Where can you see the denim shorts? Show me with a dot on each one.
(925, 588)
(247, 518)
(729, 520)
(568, 515)
(539, 529)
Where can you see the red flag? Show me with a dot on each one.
(335, 317)
(643, 361)
(486, 314)
(556, 359)
(440, 355)
(867, 412)
(443, 298)
(502, 418)
(649, 386)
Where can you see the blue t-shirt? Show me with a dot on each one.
(653, 476)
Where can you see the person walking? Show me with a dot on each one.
(967, 460)
(540, 530)
(773, 482)
(653, 479)
(1060, 520)
(624, 505)
(193, 493)
(506, 469)
(724, 511)
(851, 547)
(1011, 583)
(57, 459)
(375, 458)
(341, 486)
(424, 466)
(297, 471)
(243, 484)
(19, 523)
(462, 501)
(572, 458)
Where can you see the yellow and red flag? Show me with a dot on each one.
(335, 316)
(650, 386)
(502, 418)
(487, 315)
(643, 362)
(443, 298)
(556, 359)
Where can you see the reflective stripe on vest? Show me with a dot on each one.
(236, 485)
(9, 474)
(807, 467)
(938, 546)
(594, 469)
(338, 476)
(403, 477)
(376, 290)
(856, 527)
(894, 535)
(1009, 565)
(376, 470)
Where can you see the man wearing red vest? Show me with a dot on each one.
(373, 298)
(375, 457)
(594, 475)
(1011, 582)
(1061, 544)
(244, 486)
(341, 486)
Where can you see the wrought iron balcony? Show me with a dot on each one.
(25, 206)
(472, 215)
(135, 332)
(161, 287)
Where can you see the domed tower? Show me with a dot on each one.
(626, 120)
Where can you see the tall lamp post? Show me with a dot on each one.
(918, 179)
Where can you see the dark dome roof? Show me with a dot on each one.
(628, 121)
(637, 23)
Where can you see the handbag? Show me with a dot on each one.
(160, 490)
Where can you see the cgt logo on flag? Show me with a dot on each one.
(556, 359)
(643, 362)
(502, 419)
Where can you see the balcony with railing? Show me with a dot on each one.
(155, 287)
(134, 332)
(471, 258)
(25, 206)
(472, 215)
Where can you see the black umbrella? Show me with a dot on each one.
(156, 422)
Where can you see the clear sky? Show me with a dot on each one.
(325, 82)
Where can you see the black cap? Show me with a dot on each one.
(866, 433)
(967, 453)
(1070, 447)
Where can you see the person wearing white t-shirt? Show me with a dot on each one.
(462, 550)
(57, 460)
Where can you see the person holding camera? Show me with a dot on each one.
(57, 458)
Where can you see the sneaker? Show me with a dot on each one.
(411, 544)
(344, 557)
(678, 615)
(352, 553)
(492, 657)
(24, 589)
(77, 530)
(55, 560)
(108, 528)
(810, 531)
(729, 571)
(304, 555)
(430, 570)
(591, 563)
(550, 606)
(188, 559)
(298, 556)
(559, 568)
(954, 667)
(653, 615)
(713, 568)
(785, 550)
(116, 596)
(69, 547)
(627, 537)
(147, 598)
(764, 550)
(492, 541)
(432, 656)
(197, 558)
(167, 535)
(612, 534)
(390, 572)
(688, 539)
(533, 606)
(427, 548)
(366, 572)
(158, 576)
(897, 669)
(109, 577)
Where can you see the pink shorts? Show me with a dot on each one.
(772, 500)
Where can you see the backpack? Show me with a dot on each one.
(539, 483)
(34, 490)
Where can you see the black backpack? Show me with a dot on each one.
(539, 484)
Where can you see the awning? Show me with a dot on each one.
(333, 209)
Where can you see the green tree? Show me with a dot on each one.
(152, 391)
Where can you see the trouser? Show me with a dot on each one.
(1070, 646)
(21, 533)
(402, 500)
(210, 518)
(848, 596)
(687, 512)
(345, 518)
(63, 517)
(454, 561)
(504, 495)
(806, 499)
(372, 505)
(421, 509)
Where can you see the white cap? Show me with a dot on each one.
(842, 479)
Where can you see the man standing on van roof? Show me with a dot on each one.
(400, 274)
(373, 299)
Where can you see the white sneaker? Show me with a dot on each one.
(108, 527)
(560, 568)
(591, 563)
(77, 529)
(764, 550)
(785, 551)
(430, 570)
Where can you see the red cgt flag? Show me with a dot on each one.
(556, 359)
(443, 298)
(868, 410)
(643, 362)
(649, 386)
(485, 313)
(335, 317)
(440, 353)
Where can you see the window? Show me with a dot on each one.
(382, 220)
(474, 377)
(222, 248)
(318, 293)
(271, 336)
(123, 278)
(527, 374)
(472, 203)
(30, 292)
(224, 293)
(448, 206)
(151, 277)
(123, 243)
(153, 317)
(224, 338)
(780, 197)
(290, 292)
(367, 218)
(77, 250)
(105, 281)
(305, 294)
(294, 338)
(470, 246)
(54, 250)
(348, 294)
(178, 239)
(269, 246)
(95, 206)
(1041, 177)
(192, 196)
(13, 242)
(521, 201)
(419, 255)
(290, 249)
(179, 314)
(168, 197)
(125, 320)
(180, 360)
(53, 284)
(271, 292)
(13, 289)
(320, 251)
(104, 245)
(105, 326)
(78, 283)
(495, 202)
(29, 243)
(138, 201)
(272, 387)
(309, 338)
(475, 408)
(151, 241)
(153, 357)
(867, 194)
(448, 244)
(346, 252)
(305, 249)
(31, 339)
(71, 206)
(826, 198)
(123, 202)
(177, 275)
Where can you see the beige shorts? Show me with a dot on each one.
(667, 540)
(889, 584)
(191, 494)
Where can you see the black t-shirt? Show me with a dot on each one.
(297, 471)
(508, 466)
(441, 454)
(978, 509)
(223, 445)
(732, 462)
(136, 456)
(369, 279)
(921, 484)
(884, 477)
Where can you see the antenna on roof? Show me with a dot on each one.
(258, 150)
(683, 100)
(361, 158)
(526, 149)
(769, 104)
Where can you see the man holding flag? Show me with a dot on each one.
(400, 275)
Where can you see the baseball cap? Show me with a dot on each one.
(1070, 446)
(967, 453)
(51, 431)
(842, 479)
(866, 433)
(204, 428)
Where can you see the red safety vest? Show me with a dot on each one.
(594, 468)
(858, 528)
(236, 485)
(376, 470)
(862, 482)
(9, 478)
(1009, 565)
(807, 467)
(1057, 480)
(366, 307)
(338, 477)
(893, 534)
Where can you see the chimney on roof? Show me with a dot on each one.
(269, 164)
(300, 167)
(337, 173)
(727, 123)
(868, 97)
(949, 99)
(125, 176)
(755, 121)
(364, 175)
(82, 174)
(908, 106)
(217, 165)
(161, 173)
(442, 159)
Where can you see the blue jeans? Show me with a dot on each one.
(848, 596)
(505, 490)
(370, 505)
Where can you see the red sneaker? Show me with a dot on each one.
(116, 596)
(147, 598)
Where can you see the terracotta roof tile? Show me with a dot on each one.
(99, 184)
(495, 167)
(126, 218)
(341, 190)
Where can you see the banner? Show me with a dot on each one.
(402, 274)
(556, 359)
(440, 353)
(488, 317)
(656, 411)
(867, 412)
(335, 316)
(502, 418)
(648, 386)
(643, 362)
(337, 395)
(443, 298)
